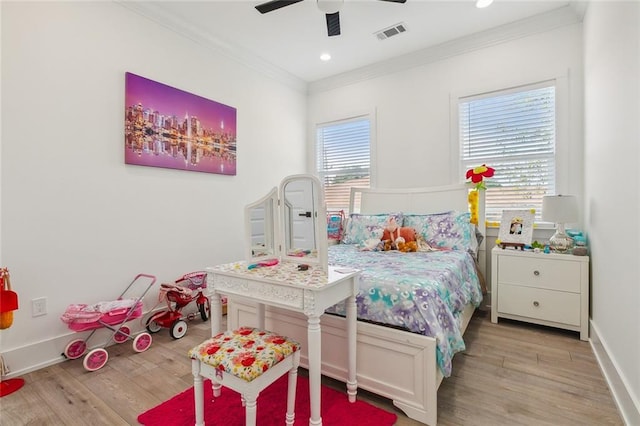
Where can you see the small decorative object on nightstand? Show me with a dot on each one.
(580, 244)
(516, 227)
(560, 209)
(547, 289)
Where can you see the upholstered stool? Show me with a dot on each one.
(246, 360)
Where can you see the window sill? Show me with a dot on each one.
(543, 231)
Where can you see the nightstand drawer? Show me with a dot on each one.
(548, 305)
(539, 273)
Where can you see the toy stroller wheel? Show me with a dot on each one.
(142, 342)
(205, 309)
(152, 326)
(75, 349)
(95, 359)
(178, 329)
(122, 334)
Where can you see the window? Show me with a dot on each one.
(343, 157)
(513, 131)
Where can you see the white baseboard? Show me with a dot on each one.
(628, 405)
(48, 352)
(37, 355)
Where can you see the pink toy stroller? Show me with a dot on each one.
(186, 289)
(111, 315)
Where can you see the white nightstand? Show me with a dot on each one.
(547, 289)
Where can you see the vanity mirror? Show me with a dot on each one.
(289, 224)
(261, 227)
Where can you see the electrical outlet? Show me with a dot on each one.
(39, 307)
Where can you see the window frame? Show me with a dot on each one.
(562, 124)
(369, 115)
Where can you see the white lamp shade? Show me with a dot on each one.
(560, 208)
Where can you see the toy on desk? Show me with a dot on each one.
(271, 262)
(299, 253)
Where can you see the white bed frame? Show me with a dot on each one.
(395, 364)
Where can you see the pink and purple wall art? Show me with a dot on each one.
(170, 128)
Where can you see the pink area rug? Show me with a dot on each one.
(227, 409)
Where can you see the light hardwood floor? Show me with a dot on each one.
(510, 374)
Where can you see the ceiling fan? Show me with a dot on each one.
(331, 9)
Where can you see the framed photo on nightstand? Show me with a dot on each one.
(516, 226)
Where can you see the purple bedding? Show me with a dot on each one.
(422, 292)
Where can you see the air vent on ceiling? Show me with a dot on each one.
(391, 31)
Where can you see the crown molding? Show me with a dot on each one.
(571, 14)
(548, 21)
(154, 12)
(580, 7)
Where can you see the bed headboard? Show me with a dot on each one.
(427, 200)
(410, 200)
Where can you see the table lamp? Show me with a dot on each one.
(560, 209)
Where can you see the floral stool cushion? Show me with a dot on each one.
(245, 353)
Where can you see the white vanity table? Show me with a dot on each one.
(309, 292)
(285, 285)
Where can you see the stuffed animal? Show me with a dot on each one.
(395, 235)
(391, 229)
(407, 247)
(409, 234)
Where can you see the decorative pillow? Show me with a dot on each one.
(362, 227)
(450, 230)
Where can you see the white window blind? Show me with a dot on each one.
(515, 133)
(343, 159)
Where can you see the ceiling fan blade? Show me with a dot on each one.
(270, 6)
(395, 1)
(333, 24)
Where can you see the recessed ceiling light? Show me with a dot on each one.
(325, 57)
(483, 3)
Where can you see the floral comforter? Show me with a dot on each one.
(423, 292)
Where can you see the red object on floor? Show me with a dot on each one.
(9, 386)
(227, 410)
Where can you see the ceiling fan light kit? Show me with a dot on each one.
(330, 8)
(481, 4)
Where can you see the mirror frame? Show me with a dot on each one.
(271, 220)
(277, 223)
(319, 222)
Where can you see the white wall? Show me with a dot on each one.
(599, 150)
(77, 223)
(413, 107)
(612, 154)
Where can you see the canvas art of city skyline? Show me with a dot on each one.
(170, 128)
